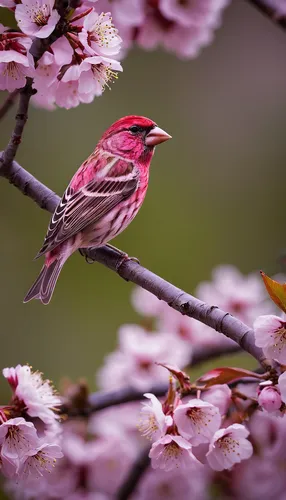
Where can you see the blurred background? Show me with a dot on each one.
(217, 191)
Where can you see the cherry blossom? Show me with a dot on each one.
(8, 3)
(99, 36)
(40, 462)
(153, 423)
(197, 421)
(218, 395)
(15, 60)
(96, 73)
(193, 13)
(270, 334)
(270, 399)
(38, 395)
(170, 452)
(228, 447)
(184, 484)
(134, 363)
(17, 439)
(282, 386)
(37, 17)
(242, 296)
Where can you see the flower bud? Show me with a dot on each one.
(270, 399)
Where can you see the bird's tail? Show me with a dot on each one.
(44, 285)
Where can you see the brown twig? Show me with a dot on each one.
(101, 400)
(9, 153)
(8, 103)
(269, 12)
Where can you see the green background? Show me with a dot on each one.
(217, 190)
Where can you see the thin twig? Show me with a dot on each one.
(130, 270)
(269, 12)
(8, 103)
(9, 153)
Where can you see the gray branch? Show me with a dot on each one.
(269, 12)
(130, 270)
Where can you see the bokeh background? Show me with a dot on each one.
(217, 190)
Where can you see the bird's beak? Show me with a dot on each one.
(156, 136)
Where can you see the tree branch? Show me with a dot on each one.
(9, 153)
(212, 316)
(136, 472)
(269, 12)
(8, 103)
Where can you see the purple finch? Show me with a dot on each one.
(102, 198)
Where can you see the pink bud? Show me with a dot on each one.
(270, 399)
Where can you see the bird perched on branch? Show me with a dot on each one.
(102, 198)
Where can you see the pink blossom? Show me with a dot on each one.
(17, 439)
(270, 399)
(40, 462)
(8, 3)
(242, 296)
(197, 421)
(145, 303)
(270, 334)
(113, 462)
(258, 478)
(37, 17)
(135, 361)
(218, 395)
(37, 394)
(96, 73)
(170, 452)
(182, 484)
(153, 422)
(99, 36)
(228, 447)
(282, 386)
(278, 5)
(193, 12)
(49, 64)
(15, 60)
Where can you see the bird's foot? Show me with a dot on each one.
(123, 255)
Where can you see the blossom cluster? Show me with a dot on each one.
(225, 429)
(29, 428)
(82, 59)
(75, 68)
(180, 27)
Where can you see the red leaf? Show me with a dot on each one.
(182, 377)
(224, 375)
(277, 291)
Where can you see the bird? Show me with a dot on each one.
(102, 198)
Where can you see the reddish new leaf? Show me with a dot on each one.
(182, 377)
(224, 375)
(277, 291)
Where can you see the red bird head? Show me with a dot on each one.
(133, 137)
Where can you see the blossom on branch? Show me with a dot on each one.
(37, 17)
(270, 335)
(15, 60)
(228, 447)
(197, 421)
(242, 296)
(270, 399)
(170, 452)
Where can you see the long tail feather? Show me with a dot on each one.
(44, 285)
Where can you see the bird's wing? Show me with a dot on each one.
(88, 205)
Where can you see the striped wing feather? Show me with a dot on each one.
(88, 205)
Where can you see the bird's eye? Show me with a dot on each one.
(134, 129)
